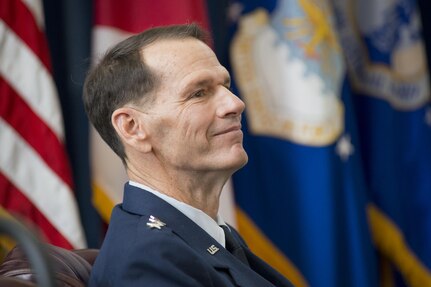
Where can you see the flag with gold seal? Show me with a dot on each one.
(302, 197)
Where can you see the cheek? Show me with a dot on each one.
(161, 132)
(196, 127)
(188, 130)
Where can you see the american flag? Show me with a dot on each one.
(35, 178)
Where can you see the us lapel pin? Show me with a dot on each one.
(154, 222)
(212, 249)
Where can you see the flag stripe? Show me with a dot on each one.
(133, 16)
(34, 82)
(36, 8)
(103, 203)
(18, 162)
(19, 19)
(18, 115)
(390, 240)
(19, 206)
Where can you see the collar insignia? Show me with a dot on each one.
(154, 222)
(212, 249)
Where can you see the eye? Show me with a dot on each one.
(198, 94)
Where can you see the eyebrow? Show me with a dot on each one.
(201, 83)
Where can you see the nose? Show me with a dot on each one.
(230, 105)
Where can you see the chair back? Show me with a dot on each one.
(71, 268)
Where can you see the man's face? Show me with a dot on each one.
(195, 122)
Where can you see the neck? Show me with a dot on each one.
(200, 190)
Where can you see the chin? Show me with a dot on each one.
(241, 159)
(230, 159)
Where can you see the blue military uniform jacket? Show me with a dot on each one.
(177, 254)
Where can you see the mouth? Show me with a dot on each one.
(234, 128)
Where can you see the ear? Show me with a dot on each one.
(129, 125)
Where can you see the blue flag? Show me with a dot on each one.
(387, 63)
(302, 198)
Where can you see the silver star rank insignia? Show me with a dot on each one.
(154, 222)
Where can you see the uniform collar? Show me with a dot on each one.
(199, 217)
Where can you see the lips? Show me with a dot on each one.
(228, 130)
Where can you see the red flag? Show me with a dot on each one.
(35, 178)
(135, 16)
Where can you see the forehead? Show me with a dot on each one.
(177, 60)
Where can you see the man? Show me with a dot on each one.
(161, 101)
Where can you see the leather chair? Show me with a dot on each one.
(70, 268)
